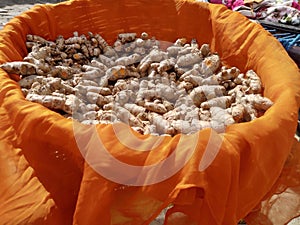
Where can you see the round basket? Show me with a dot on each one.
(46, 177)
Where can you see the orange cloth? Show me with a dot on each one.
(45, 179)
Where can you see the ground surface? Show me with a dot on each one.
(11, 8)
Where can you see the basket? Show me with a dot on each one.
(47, 179)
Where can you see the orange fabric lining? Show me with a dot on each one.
(46, 150)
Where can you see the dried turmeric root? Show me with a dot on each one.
(182, 89)
(20, 67)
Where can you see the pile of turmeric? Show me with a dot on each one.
(182, 88)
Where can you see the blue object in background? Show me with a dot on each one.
(290, 41)
(287, 39)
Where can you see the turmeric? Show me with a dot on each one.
(182, 89)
